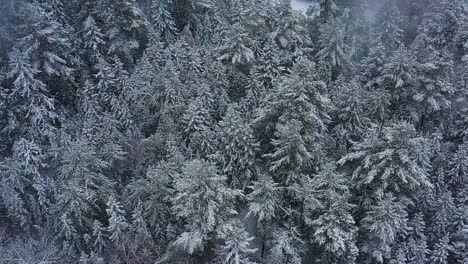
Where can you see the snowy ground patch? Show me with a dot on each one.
(300, 5)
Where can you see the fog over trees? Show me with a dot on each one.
(233, 131)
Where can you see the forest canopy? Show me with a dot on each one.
(233, 131)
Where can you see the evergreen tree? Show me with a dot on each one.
(82, 184)
(417, 242)
(292, 154)
(444, 211)
(264, 199)
(334, 228)
(204, 144)
(328, 10)
(39, 107)
(235, 47)
(267, 69)
(434, 85)
(44, 40)
(11, 196)
(349, 113)
(389, 32)
(289, 33)
(333, 48)
(372, 66)
(128, 31)
(393, 160)
(172, 92)
(441, 22)
(162, 19)
(196, 118)
(117, 222)
(138, 224)
(202, 201)
(299, 107)
(236, 248)
(440, 253)
(459, 244)
(57, 8)
(264, 203)
(458, 172)
(285, 247)
(155, 192)
(94, 39)
(21, 172)
(98, 236)
(105, 80)
(381, 226)
(238, 149)
(399, 78)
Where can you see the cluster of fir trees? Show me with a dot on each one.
(234, 131)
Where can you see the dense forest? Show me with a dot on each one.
(233, 131)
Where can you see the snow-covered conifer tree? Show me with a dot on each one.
(395, 159)
(334, 228)
(162, 19)
(203, 202)
(238, 149)
(381, 227)
(237, 247)
(117, 223)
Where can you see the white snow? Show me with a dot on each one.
(300, 5)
